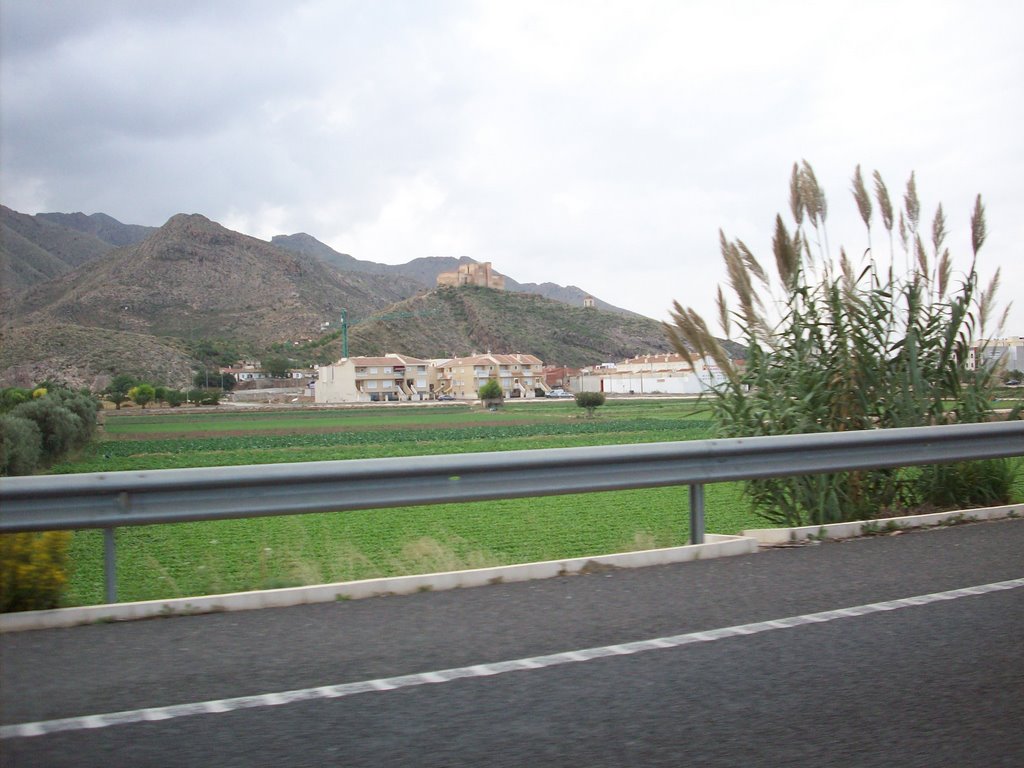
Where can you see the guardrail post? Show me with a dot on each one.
(110, 565)
(696, 513)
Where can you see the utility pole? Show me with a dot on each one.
(344, 333)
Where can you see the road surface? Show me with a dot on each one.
(741, 661)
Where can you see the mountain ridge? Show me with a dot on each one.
(192, 283)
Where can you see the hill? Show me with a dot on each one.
(425, 270)
(449, 322)
(192, 278)
(34, 250)
(88, 357)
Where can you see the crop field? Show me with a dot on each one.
(211, 557)
(192, 559)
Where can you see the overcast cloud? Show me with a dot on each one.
(586, 143)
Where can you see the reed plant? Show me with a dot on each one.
(835, 345)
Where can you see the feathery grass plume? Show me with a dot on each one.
(911, 203)
(860, 194)
(723, 313)
(939, 231)
(691, 338)
(739, 279)
(885, 207)
(884, 203)
(811, 195)
(978, 230)
(796, 205)
(753, 265)
(922, 256)
(904, 233)
(945, 270)
(986, 301)
(787, 254)
(847, 268)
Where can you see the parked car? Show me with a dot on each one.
(1013, 383)
(445, 397)
(558, 393)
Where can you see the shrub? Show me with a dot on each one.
(491, 391)
(141, 394)
(834, 347)
(21, 445)
(204, 396)
(32, 570)
(968, 484)
(591, 401)
(84, 406)
(174, 397)
(12, 396)
(60, 428)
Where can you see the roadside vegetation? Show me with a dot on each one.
(835, 344)
(38, 427)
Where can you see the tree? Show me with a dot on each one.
(59, 428)
(12, 396)
(21, 445)
(591, 401)
(206, 378)
(117, 391)
(277, 367)
(174, 397)
(491, 393)
(142, 394)
(835, 346)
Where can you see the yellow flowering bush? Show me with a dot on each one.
(33, 570)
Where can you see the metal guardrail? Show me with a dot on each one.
(109, 500)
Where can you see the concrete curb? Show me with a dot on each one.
(714, 546)
(774, 536)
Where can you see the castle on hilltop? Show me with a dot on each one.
(473, 274)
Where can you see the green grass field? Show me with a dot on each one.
(211, 557)
(192, 559)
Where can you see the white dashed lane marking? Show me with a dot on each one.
(437, 677)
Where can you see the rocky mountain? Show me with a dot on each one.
(85, 298)
(106, 228)
(426, 269)
(192, 278)
(34, 250)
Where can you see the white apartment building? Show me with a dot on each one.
(1008, 352)
(392, 377)
(650, 374)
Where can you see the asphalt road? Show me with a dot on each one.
(932, 682)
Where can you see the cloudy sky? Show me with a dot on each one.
(600, 144)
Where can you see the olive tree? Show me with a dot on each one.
(590, 401)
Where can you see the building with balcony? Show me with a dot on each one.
(391, 378)
(520, 376)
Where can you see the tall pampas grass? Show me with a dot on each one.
(835, 346)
